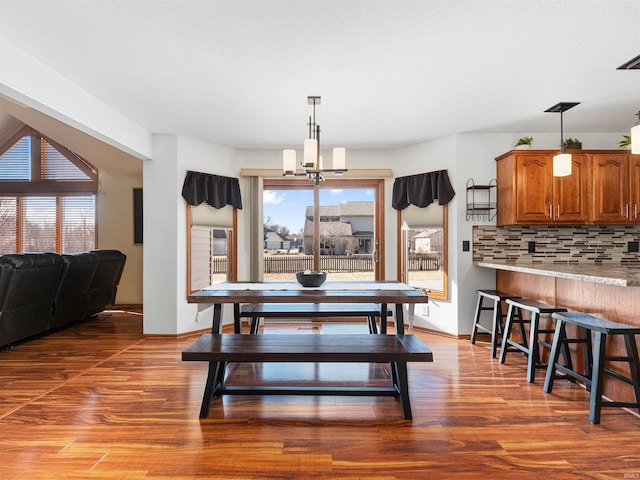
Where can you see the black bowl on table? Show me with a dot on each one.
(311, 279)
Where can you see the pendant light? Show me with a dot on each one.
(562, 160)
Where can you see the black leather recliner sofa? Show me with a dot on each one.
(44, 291)
(28, 290)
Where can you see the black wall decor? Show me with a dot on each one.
(137, 215)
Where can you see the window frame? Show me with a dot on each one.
(232, 253)
(377, 184)
(401, 259)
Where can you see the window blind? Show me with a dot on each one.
(78, 223)
(15, 162)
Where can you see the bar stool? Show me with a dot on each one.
(497, 320)
(595, 356)
(532, 349)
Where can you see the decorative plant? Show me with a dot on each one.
(625, 142)
(524, 141)
(572, 141)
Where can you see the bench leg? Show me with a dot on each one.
(383, 318)
(373, 327)
(254, 325)
(403, 386)
(595, 403)
(399, 319)
(212, 383)
(237, 327)
(217, 318)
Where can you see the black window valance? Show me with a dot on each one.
(422, 189)
(216, 190)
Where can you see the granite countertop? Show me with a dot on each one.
(609, 274)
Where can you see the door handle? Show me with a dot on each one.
(551, 212)
(376, 256)
(558, 211)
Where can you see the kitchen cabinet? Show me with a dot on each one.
(615, 188)
(528, 193)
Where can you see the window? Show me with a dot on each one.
(211, 246)
(422, 248)
(349, 229)
(47, 197)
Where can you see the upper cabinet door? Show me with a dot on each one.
(610, 197)
(634, 193)
(570, 193)
(534, 188)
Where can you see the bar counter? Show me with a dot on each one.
(598, 289)
(621, 275)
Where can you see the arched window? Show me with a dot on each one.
(47, 196)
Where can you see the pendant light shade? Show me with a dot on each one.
(561, 165)
(635, 139)
(310, 153)
(340, 159)
(288, 162)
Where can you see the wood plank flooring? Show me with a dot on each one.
(99, 400)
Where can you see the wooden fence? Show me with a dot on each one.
(330, 263)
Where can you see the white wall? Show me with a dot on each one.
(115, 230)
(166, 310)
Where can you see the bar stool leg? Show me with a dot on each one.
(595, 403)
(534, 352)
(495, 327)
(558, 341)
(588, 355)
(476, 320)
(634, 364)
(506, 334)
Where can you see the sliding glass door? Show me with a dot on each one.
(334, 227)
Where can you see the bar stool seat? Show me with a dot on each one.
(497, 319)
(531, 350)
(595, 357)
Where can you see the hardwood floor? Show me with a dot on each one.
(99, 400)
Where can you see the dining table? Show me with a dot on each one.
(380, 292)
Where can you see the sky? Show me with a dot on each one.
(287, 207)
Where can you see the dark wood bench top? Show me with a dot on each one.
(597, 324)
(297, 310)
(308, 348)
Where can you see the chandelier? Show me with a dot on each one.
(312, 163)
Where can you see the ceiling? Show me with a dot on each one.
(390, 73)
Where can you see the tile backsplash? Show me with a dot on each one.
(556, 244)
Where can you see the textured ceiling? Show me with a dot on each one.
(390, 73)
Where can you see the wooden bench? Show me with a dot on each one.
(219, 349)
(256, 311)
(595, 357)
